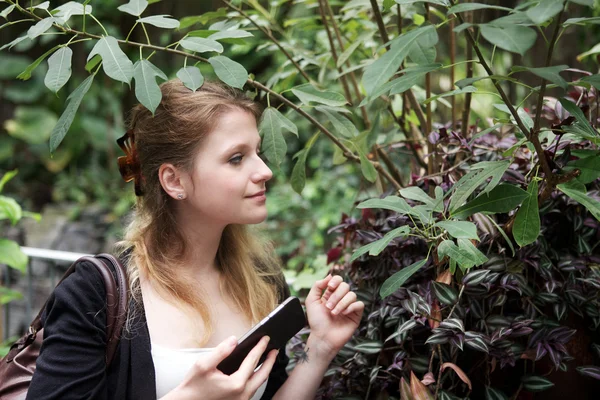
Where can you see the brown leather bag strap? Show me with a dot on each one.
(116, 299)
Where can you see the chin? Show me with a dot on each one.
(256, 219)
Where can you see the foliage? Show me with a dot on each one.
(486, 238)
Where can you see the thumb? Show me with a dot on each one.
(221, 352)
(317, 289)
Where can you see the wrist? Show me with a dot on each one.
(321, 349)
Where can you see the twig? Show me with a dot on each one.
(334, 52)
(271, 37)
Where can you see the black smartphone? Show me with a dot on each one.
(280, 325)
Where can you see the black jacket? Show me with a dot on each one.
(71, 363)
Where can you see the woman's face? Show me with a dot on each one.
(228, 172)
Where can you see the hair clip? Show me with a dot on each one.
(129, 165)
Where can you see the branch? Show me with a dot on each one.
(271, 37)
(528, 134)
(345, 150)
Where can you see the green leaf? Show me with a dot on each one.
(444, 3)
(11, 255)
(66, 119)
(6, 11)
(40, 27)
(459, 229)
(551, 74)
(229, 71)
(273, 142)
(230, 34)
(592, 51)
(544, 10)
(26, 74)
(582, 121)
(589, 3)
(468, 81)
(201, 45)
(191, 77)
(589, 167)
(379, 245)
(534, 383)
(393, 203)
(466, 89)
(581, 21)
(523, 115)
(341, 124)
(423, 50)
(513, 38)
(307, 93)
(503, 198)
(494, 394)
(469, 249)
(160, 21)
(298, 179)
(114, 62)
(7, 177)
(15, 42)
(381, 70)
(577, 191)
(91, 64)
(59, 69)
(10, 209)
(396, 281)
(527, 222)
(146, 89)
(478, 175)
(411, 77)
(67, 10)
(416, 193)
(7, 295)
(348, 52)
(134, 7)
(366, 166)
(593, 80)
(474, 6)
(446, 294)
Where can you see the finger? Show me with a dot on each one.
(263, 372)
(356, 308)
(221, 352)
(251, 361)
(336, 296)
(332, 286)
(317, 289)
(348, 299)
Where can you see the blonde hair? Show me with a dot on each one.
(251, 272)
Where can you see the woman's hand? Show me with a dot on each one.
(206, 382)
(333, 315)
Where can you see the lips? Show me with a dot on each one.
(261, 193)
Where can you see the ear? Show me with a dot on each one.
(173, 180)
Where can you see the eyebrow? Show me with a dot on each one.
(242, 146)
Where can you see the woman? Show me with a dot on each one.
(198, 277)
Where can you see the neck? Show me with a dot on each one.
(202, 238)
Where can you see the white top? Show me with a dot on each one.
(172, 365)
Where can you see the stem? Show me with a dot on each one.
(98, 22)
(532, 138)
(540, 104)
(338, 35)
(145, 32)
(271, 37)
(334, 52)
(131, 31)
(467, 110)
(452, 77)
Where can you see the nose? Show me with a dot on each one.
(263, 173)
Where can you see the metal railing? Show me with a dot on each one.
(56, 257)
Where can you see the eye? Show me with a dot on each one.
(236, 160)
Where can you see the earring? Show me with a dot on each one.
(180, 196)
